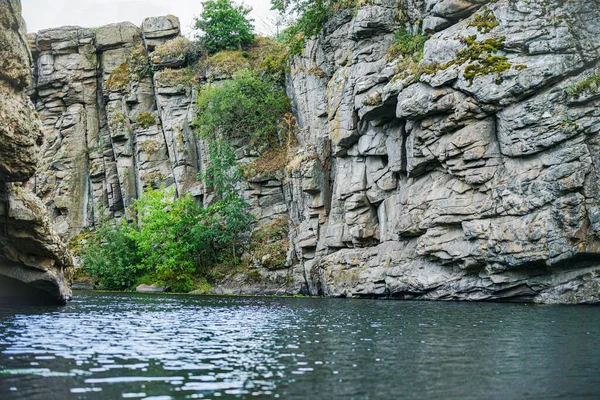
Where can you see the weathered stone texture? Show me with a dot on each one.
(442, 187)
(30, 252)
(450, 183)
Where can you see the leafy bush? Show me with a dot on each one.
(110, 256)
(176, 242)
(247, 106)
(407, 45)
(312, 15)
(226, 26)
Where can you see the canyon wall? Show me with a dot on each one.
(467, 172)
(470, 173)
(33, 260)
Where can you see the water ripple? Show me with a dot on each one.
(111, 346)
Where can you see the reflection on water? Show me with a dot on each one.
(113, 346)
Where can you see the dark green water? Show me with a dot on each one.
(113, 346)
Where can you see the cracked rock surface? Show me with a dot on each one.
(34, 262)
(473, 175)
(443, 185)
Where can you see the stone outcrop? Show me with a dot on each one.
(469, 172)
(116, 111)
(453, 178)
(33, 260)
(116, 119)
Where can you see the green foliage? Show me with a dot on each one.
(222, 172)
(590, 85)
(407, 45)
(166, 237)
(225, 26)
(276, 62)
(146, 120)
(247, 106)
(176, 242)
(312, 15)
(110, 256)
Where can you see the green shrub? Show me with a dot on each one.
(110, 256)
(247, 106)
(312, 15)
(407, 45)
(176, 242)
(225, 26)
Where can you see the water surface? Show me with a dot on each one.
(113, 346)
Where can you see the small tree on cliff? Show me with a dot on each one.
(225, 25)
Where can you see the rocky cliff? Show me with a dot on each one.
(33, 260)
(468, 171)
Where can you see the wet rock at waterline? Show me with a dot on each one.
(151, 289)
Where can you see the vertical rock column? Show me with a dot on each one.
(33, 260)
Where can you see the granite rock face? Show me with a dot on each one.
(108, 130)
(33, 260)
(116, 119)
(470, 173)
(116, 113)
(444, 183)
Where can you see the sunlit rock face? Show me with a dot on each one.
(33, 260)
(447, 184)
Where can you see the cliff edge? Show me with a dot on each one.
(33, 260)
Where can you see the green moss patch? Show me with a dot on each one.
(119, 79)
(146, 120)
(590, 85)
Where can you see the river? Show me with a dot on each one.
(113, 346)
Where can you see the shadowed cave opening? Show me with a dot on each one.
(15, 292)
